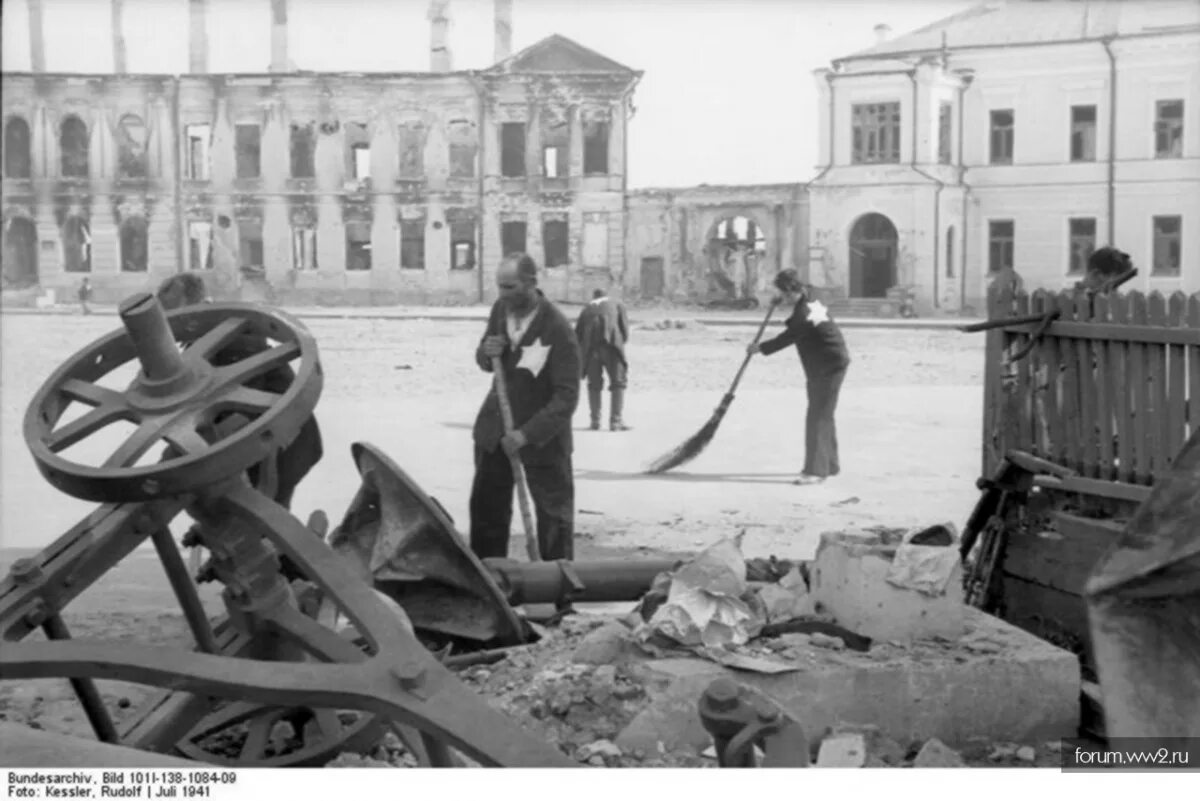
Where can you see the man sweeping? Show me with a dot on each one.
(825, 359)
(602, 330)
(540, 361)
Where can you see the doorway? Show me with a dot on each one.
(20, 253)
(872, 256)
(653, 280)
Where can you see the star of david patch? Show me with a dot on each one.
(818, 313)
(533, 357)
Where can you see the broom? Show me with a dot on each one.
(518, 469)
(699, 441)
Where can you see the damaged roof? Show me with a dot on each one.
(1019, 22)
(557, 53)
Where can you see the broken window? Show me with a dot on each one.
(556, 145)
(358, 153)
(512, 237)
(876, 133)
(77, 246)
(463, 147)
(412, 152)
(131, 147)
(1001, 242)
(1168, 245)
(73, 144)
(595, 241)
(134, 247)
(1168, 129)
(17, 156)
(197, 138)
(302, 150)
(248, 147)
(358, 246)
(412, 244)
(304, 248)
(1002, 135)
(555, 243)
(595, 148)
(512, 149)
(200, 250)
(462, 245)
(1081, 241)
(1083, 133)
(945, 114)
(250, 244)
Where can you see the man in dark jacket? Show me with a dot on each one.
(825, 359)
(602, 330)
(540, 358)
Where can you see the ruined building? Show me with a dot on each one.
(302, 187)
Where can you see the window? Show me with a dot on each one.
(362, 161)
(950, 252)
(77, 246)
(303, 149)
(358, 154)
(1168, 246)
(200, 251)
(512, 237)
(462, 245)
(358, 246)
(1000, 245)
(196, 138)
(595, 241)
(945, 116)
(463, 148)
(554, 161)
(131, 147)
(17, 156)
(412, 245)
(595, 148)
(250, 244)
(512, 149)
(1083, 133)
(556, 147)
(134, 250)
(248, 148)
(1168, 129)
(73, 143)
(555, 243)
(1002, 136)
(1081, 242)
(412, 152)
(876, 132)
(304, 248)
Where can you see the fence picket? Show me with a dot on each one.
(1023, 399)
(1102, 392)
(1156, 358)
(1176, 381)
(1118, 364)
(1139, 385)
(1193, 367)
(993, 390)
(1070, 387)
(1084, 355)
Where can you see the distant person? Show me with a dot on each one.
(825, 359)
(540, 359)
(85, 295)
(1103, 265)
(1005, 285)
(602, 330)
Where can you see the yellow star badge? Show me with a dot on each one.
(818, 313)
(533, 357)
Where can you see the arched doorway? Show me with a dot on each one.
(872, 256)
(736, 247)
(20, 253)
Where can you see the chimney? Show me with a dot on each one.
(118, 36)
(37, 41)
(882, 32)
(439, 36)
(503, 17)
(279, 36)
(197, 37)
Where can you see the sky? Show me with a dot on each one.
(728, 95)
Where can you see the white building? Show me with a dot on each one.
(1023, 133)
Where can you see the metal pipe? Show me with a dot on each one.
(177, 185)
(146, 322)
(937, 196)
(89, 696)
(1112, 138)
(185, 590)
(600, 581)
(962, 176)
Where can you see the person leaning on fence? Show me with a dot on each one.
(1103, 266)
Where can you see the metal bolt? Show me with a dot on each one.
(37, 616)
(150, 486)
(722, 695)
(411, 675)
(25, 570)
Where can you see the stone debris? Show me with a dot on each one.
(843, 751)
(604, 645)
(936, 754)
(1027, 754)
(827, 641)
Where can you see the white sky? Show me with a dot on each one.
(727, 96)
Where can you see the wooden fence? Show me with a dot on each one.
(1110, 389)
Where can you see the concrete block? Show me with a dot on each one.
(849, 581)
(1027, 691)
(843, 751)
(936, 754)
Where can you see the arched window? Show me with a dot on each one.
(131, 144)
(950, 252)
(73, 143)
(77, 246)
(20, 253)
(134, 250)
(16, 148)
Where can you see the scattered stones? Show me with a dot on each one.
(602, 748)
(606, 674)
(603, 646)
(1027, 754)
(1054, 746)
(827, 641)
(796, 640)
(1001, 751)
(843, 751)
(936, 754)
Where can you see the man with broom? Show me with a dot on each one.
(539, 358)
(825, 359)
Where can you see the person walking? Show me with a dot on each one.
(602, 330)
(85, 294)
(825, 359)
(540, 359)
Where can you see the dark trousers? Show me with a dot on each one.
(605, 359)
(820, 433)
(552, 488)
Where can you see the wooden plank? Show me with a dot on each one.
(1193, 368)
(1137, 493)
(1088, 444)
(1156, 373)
(1139, 385)
(1061, 557)
(993, 399)
(1103, 396)
(1176, 380)
(1134, 333)
(1055, 445)
(1023, 399)
(1118, 357)
(1053, 615)
(1070, 390)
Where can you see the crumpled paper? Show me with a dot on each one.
(787, 599)
(926, 568)
(704, 605)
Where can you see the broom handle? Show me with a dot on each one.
(746, 362)
(518, 469)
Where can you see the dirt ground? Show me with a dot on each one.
(908, 431)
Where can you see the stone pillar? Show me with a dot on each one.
(197, 37)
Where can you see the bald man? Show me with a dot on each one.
(540, 358)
